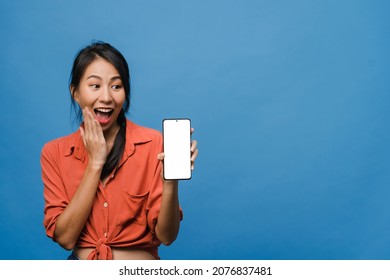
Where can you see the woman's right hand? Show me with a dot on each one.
(93, 139)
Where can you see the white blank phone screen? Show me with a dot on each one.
(177, 143)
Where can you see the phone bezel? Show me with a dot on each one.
(163, 135)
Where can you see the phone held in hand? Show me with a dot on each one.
(177, 149)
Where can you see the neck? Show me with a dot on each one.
(110, 134)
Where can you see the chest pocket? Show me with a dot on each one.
(133, 208)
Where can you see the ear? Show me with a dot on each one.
(73, 92)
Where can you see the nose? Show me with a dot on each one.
(106, 95)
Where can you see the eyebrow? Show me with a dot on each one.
(116, 78)
(93, 77)
(97, 77)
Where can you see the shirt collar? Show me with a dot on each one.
(76, 146)
(134, 135)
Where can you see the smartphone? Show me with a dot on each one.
(177, 149)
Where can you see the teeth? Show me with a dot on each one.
(104, 110)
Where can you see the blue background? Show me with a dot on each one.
(289, 99)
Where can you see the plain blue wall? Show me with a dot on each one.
(289, 99)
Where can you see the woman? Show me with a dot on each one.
(105, 197)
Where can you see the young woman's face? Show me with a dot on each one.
(101, 90)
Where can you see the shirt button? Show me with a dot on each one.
(105, 204)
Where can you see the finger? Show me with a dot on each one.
(193, 163)
(161, 156)
(96, 130)
(194, 144)
(192, 130)
(82, 135)
(99, 130)
(92, 125)
(194, 155)
(87, 123)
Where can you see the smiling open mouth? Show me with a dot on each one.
(103, 114)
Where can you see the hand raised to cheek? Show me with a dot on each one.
(93, 139)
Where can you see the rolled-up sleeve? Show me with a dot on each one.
(54, 192)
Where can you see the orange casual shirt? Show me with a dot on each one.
(125, 210)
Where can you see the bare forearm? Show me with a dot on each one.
(168, 222)
(71, 222)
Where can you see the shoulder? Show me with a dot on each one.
(141, 133)
(61, 144)
(145, 138)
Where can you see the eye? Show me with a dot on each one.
(95, 86)
(116, 87)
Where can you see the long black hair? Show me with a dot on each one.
(83, 59)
